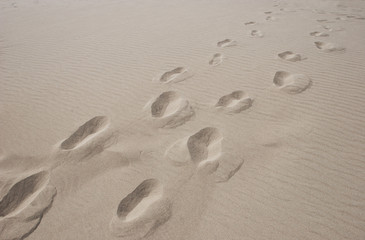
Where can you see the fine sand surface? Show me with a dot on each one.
(174, 120)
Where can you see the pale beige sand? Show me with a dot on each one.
(182, 120)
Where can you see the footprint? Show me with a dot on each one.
(216, 59)
(24, 205)
(22, 193)
(328, 46)
(250, 23)
(142, 211)
(171, 110)
(226, 43)
(85, 131)
(235, 102)
(291, 83)
(319, 34)
(204, 150)
(322, 20)
(290, 56)
(331, 29)
(268, 12)
(178, 74)
(270, 18)
(256, 33)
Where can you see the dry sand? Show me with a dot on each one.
(182, 120)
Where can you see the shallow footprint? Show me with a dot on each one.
(328, 47)
(331, 29)
(290, 56)
(226, 43)
(24, 206)
(229, 165)
(216, 59)
(256, 33)
(175, 75)
(319, 34)
(291, 83)
(250, 23)
(270, 18)
(142, 211)
(235, 102)
(171, 110)
(94, 125)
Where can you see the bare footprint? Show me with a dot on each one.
(290, 56)
(235, 102)
(22, 193)
(204, 150)
(226, 43)
(171, 110)
(142, 211)
(250, 23)
(24, 205)
(176, 75)
(291, 83)
(319, 34)
(216, 59)
(84, 132)
(328, 46)
(256, 33)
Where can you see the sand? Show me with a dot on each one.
(182, 120)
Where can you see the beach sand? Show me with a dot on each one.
(176, 120)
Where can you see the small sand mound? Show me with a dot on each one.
(236, 102)
(290, 56)
(291, 83)
(89, 128)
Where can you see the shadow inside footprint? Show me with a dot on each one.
(171, 109)
(291, 83)
(142, 211)
(235, 102)
(328, 47)
(89, 128)
(22, 193)
(216, 59)
(176, 75)
(290, 56)
(250, 23)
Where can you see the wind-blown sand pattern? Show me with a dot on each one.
(192, 120)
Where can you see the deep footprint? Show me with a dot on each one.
(142, 211)
(328, 47)
(291, 83)
(235, 102)
(256, 34)
(171, 109)
(319, 34)
(290, 56)
(176, 75)
(226, 43)
(89, 128)
(216, 59)
(22, 193)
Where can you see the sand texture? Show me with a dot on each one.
(182, 120)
